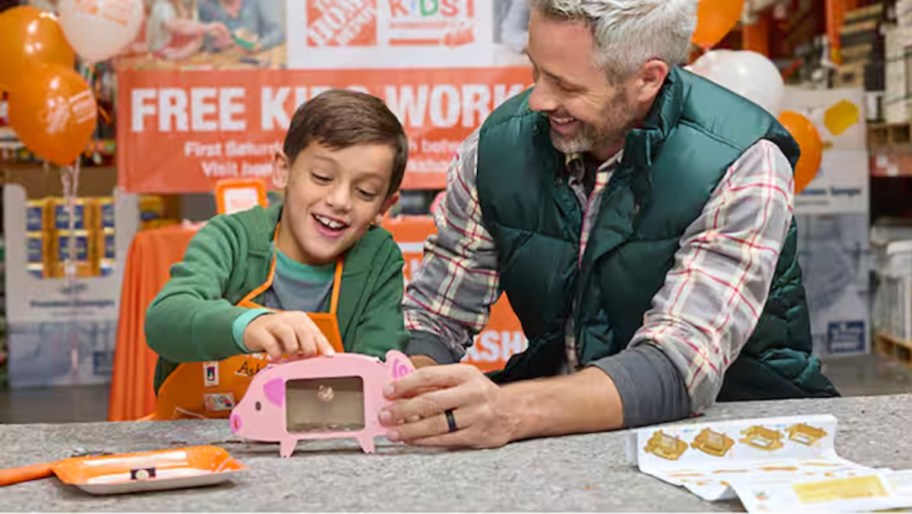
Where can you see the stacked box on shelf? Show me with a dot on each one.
(892, 266)
(862, 49)
(899, 308)
(897, 103)
(904, 13)
(51, 236)
(892, 309)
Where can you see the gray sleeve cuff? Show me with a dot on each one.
(426, 343)
(651, 388)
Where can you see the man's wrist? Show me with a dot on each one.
(586, 401)
(422, 361)
(523, 413)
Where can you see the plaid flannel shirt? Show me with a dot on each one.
(702, 316)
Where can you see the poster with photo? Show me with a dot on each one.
(440, 65)
(214, 33)
(208, 34)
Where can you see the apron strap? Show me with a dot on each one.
(247, 301)
(337, 285)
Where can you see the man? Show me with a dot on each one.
(639, 219)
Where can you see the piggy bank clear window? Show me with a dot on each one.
(324, 405)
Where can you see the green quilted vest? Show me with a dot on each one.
(670, 167)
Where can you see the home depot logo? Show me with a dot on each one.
(342, 23)
(431, 22)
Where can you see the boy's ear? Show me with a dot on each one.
(280, 170)
(387, 205)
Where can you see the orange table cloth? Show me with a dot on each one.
(146, 270)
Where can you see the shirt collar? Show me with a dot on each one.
(575, 163)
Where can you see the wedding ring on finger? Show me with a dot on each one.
(451, 421)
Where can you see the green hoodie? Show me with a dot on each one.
(191, 318)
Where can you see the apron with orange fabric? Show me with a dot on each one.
(212, 389)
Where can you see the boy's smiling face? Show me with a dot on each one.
(331, 198)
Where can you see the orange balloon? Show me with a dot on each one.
(30, 36)
(805, 134)
(55, 115)
(715, 19)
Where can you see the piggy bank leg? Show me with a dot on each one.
(367, 443)
(287, 447)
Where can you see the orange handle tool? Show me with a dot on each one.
(10, 476)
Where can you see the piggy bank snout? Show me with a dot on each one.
(235, 421)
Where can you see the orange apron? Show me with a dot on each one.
(212, 389)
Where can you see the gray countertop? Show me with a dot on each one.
(580, 473)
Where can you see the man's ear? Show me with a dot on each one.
(650, 79)
(281, 168)
(387, 205)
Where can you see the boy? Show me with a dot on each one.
(261, 281)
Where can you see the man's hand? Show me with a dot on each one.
(488, 416)
(286, 333)
(481, 411)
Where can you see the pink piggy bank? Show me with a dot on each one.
(318, 398)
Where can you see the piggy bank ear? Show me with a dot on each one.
(398, 365)
(274, 390)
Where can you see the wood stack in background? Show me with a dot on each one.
(862, 43)
(897, 106)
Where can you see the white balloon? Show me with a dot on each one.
(100, 29)
(746, 73)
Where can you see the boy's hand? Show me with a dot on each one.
(220, 34)
(286, 333)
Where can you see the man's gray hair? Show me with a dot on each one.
(628, 33)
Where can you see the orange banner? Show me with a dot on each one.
(501, 338)
(181, 131)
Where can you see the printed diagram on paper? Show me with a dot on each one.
(875, 490)
(708, 459)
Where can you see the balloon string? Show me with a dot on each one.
(70, 179)
(69, 176)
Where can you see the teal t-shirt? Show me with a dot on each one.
(295, 287)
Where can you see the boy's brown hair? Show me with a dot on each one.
(341, 118)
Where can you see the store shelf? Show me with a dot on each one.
(893, 348)
(896, 162)
(890, 149)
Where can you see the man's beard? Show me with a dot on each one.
(617, 118)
